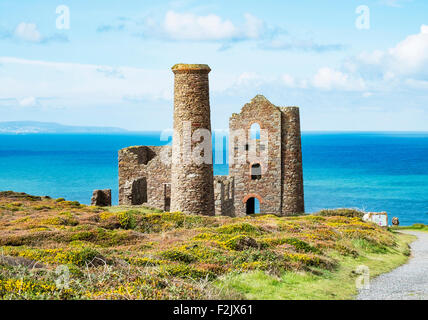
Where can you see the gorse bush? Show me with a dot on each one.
(136, 253)
(124, 220)
(178, 255)
(341, 212)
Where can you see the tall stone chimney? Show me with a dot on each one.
(292, 167)
(192, 189)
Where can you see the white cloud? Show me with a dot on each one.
(412, 53)
(329, 79)
(73, 84)
(409, 56)
(28, 102)
(292, 82)
(187, 26)
(28, 32)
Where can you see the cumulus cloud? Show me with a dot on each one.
(188, 26)
(178, 26)
(328, 79)
(409, 56)
(28, 32)
(325, 79)
(413, 51)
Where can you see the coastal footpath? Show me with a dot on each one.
(408, 282)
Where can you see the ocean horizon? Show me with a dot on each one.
(371, 171)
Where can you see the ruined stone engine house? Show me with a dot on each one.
(276, 185)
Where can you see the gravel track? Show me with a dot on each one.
(408, 282)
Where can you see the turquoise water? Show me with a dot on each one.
(370, 171)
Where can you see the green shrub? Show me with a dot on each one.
(240, 242)
(300, 245)
(123, 219)
(178, 255)
(241, 228)
(350, 213)
(184, 271)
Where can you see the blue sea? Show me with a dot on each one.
(369, 171)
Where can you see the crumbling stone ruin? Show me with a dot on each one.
(101, 198)
(264, 169)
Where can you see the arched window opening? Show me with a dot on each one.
(256, 171)
(252, 206)
(255, 131)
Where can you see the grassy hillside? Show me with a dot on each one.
(57, 249)
(414, 227)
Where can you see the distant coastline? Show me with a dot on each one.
(31, 127)
(38, 127)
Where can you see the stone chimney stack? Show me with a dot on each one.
(192, 189)
(292, 178)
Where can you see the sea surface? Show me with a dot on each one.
(370, 171)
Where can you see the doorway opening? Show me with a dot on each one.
(252, 206)
(139, 191)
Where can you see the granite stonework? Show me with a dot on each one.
(267, 167)
(192, 189)
(145, 176)
(101, 198)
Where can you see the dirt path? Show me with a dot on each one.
(408, 282)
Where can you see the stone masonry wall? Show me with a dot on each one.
(280, 188)
(192, 189)
(292, 168)
(268, 188)
(142, 175)
(169, 179)
(224, 195)
(159, 181)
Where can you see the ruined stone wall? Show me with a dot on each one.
(192, 189)
(159, 181)
(143, 174)
(224, 196)
(268, 188)
(292, 168)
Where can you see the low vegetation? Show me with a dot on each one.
(58, 249)
(415, 227)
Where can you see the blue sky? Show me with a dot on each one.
(111, 67)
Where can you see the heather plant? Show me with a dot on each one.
(139, 253)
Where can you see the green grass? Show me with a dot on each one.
(140, 209)
(336, 284)
(141, 253)
(416, 227)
